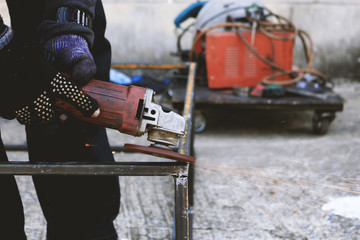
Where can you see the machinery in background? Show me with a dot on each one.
(242, 46)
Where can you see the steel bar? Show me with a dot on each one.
(185, 142)
(182, 226)
(23, 148)
(117, 169)
(182, 230)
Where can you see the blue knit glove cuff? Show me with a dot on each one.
(72, 56)
(5, 37)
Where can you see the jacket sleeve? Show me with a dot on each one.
(50, 27)
(20, 66)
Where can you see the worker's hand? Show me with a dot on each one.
(62, 87)
(30, 85)
(42, 111)
(71, 55)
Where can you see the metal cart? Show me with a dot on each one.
(207, 99)
(242, 45)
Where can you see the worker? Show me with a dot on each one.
(75, 207)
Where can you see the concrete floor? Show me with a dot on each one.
(259, 175)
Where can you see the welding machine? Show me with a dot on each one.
(230, 63)
(242, 44)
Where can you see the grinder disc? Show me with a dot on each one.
(160, 152)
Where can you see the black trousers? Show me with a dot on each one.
(11, 209)
(75, 207)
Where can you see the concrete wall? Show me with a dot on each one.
(143, 30)
(333, 26)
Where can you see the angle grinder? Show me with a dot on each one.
(132, 110)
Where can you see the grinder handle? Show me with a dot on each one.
(119, 106)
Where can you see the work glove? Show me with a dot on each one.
(42, 111)
(30, 85)
(71, 55)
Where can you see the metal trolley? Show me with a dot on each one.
(324, 110)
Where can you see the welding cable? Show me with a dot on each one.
(283, 24)
(256, 53)
(267, 29)
(299, 72)
(309, 53)
(266, 79)
(237, 26)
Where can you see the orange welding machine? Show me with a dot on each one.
(243, 44)
(230, 62)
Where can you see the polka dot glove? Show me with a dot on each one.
(42, 111)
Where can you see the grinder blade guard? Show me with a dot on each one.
(164, 126)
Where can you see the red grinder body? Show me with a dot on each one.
(121, 106)
(131, 110)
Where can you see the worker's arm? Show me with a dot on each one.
(15, 87)
(29, 85)
(61, 18)
(66, 34)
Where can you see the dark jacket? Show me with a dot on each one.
(30, 19)
(23, 78)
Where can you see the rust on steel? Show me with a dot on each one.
(184, 146)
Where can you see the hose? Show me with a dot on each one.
(178, 44)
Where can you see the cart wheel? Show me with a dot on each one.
(321, 126)
(200, 122)
(321, 121)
